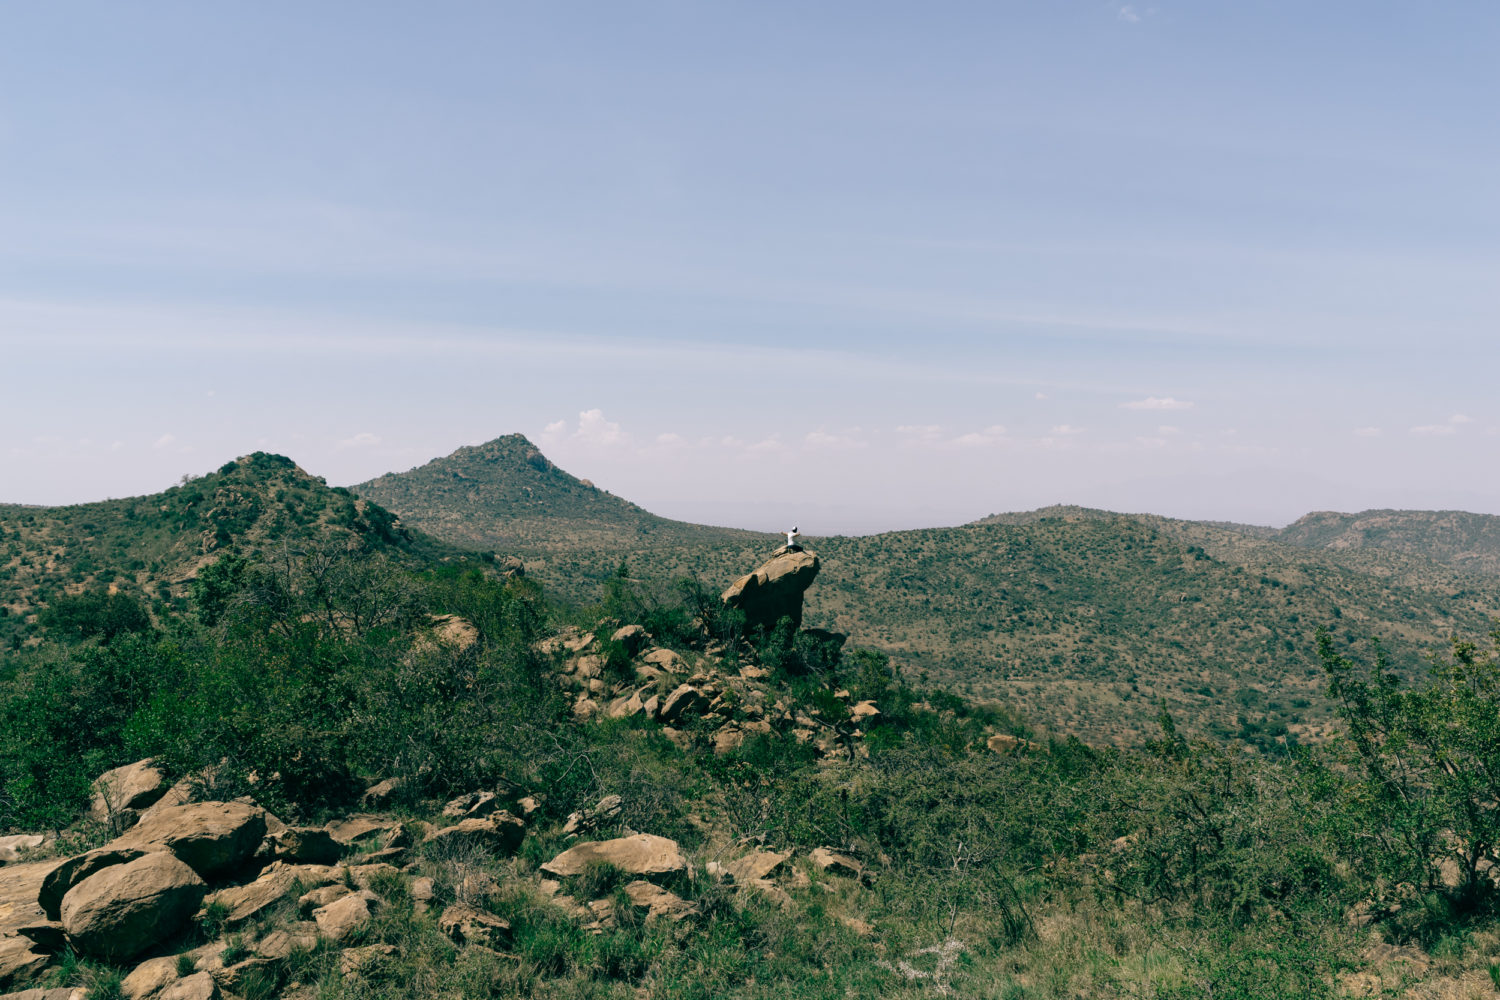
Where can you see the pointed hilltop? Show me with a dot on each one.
(506, 496)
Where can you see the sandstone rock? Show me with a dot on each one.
(864, 711)
(379, 795)
(198, 986)
(20, 962)
(209, 837)
(606, 808)
(632, 637)
(60, 993)
(422, 889)
(45, 935)
(277, 883)
(474, 805)
(69, 873)
(364, 875)
(774, 591)
(642, 854)
(1008, 745)
(281, 943)
(466, 925)
(307, 845)
(358, 829)
(321, 897)
(658, 902)
(124, 791)
(756, 865)
(528, 806)
(454, 632)
(585, 708)
(150, 978)
(344, 915)
(835, 863)
(120, 911)
(500, 833)
(685, 700)
(771, 891)
(588, 667)
(625, 706)
(400, 836)
(728, 740)
(357, 961)
(11, 847)
(666, 660)
(179, 794)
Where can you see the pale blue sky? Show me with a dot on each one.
(881, 264)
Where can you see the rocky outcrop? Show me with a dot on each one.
(120, 911)
(466, 925)
(118, 797)
(500, 833)
(642, 854)
(774, 591)
(209, 837)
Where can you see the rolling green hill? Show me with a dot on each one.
(151, 547)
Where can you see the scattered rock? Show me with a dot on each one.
(666, 660)
(60, 993)
(120, 911)
(379, 795)
(209, 837)
(466, 925)
(684, 700)
(198, 986)
(500, 833)
(150, 978)
(632, 637)
(282, 942)
(585, 708)
(774, 591)
(118, 796)
(307, 845)
(1004, 743)
(344, 915)
(642, 854)
(321, 897)
(658, 902)
(756, 865)
(358, 829)
(864, 711)
(276, 883)
(19, 961)
(475, 805)
(364, 875)
(835, 863)
(11, 847)
(584, 820)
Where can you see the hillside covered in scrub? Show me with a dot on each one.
(340, 762)
(1085, 619)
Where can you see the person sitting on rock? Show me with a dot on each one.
(791, 539)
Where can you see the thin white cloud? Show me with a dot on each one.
(594, 429)
(670, 440)
(165, 441)
(1128, 14)
(1367, 432)
(1166, 429)
(993, 434)
(1433, 430)
(1042, 395)
(1066, 430)
(1157, 403)
(364, 439)
(824, 440)
(1460, 418)
(556, 427)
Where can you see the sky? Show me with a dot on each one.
(859, 265)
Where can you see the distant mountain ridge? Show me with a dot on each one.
(506, 496)
(1456, 538)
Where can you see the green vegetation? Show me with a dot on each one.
(1208, 852)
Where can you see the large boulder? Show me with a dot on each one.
(499, 833)
(65, 876)
(642, 854)
(124, 909)
(209, 837)
(774, 591)
(278, 882)
(118, 796)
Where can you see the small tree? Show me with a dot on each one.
(1429, 752)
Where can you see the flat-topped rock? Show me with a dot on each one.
(642, 854)
(774, 591)
(209, 837)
